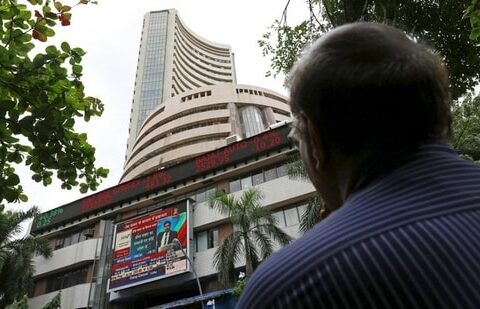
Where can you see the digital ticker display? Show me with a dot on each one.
(231, 154)
(146, 249)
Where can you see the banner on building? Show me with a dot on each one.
(150, 247)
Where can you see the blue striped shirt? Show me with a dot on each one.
(408, 239)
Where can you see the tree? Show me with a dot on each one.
(441, 24)
(253, 237)
(466, 128)
(55, 303)
(473, 15)
(16, 268)
(296, 170)
(41, 97)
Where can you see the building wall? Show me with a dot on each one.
(199, 121)
(173, 59)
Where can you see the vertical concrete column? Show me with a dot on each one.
(269, 116)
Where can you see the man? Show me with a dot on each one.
(166, 237)
(372, 116)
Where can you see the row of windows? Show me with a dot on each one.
(213, 122)
(196, 95)
(177, 116)
(199, 124)
(187, 67)
(163, 150)
(290, 215)
(182, 52)
(262, 93)
(188, 38)
(181, 74)
(74, 237)
(66, 280)
(258, 177)
(181, 41)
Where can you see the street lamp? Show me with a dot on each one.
(177, 243)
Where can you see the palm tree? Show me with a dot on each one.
(311, 216)
(16, 267)
(254, 235)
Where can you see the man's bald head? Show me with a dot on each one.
(368, 86)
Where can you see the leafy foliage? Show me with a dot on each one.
(254, 234)
(239, 287)
(55, 303)
(466, 128)
(473, 15)
(16, 268)
(296, 170)
(41, 97)
(430, 21)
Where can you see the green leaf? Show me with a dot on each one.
(65, 47)
(58, 5)
(23, 198)
(51, 50)
(77, 69)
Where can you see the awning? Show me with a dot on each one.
(193, 299)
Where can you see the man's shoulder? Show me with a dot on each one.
(395, 267)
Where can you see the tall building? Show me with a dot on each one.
(194, 134)
(173, 59)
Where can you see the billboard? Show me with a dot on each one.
(145, 248)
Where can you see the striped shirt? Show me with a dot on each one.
(409, 239)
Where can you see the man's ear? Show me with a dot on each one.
(314, 142)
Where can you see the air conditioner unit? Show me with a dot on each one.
(232, 139)
(278, 124)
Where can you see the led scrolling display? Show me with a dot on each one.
(205, 163)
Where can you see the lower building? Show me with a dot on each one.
(110, 250)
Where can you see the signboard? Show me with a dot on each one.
(146, 249)
(210, 161)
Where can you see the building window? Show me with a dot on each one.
(290, 216)
(73, 237)
(206, 239)
(258, 177)
(251, 120)
(67, 279)
(203, 195)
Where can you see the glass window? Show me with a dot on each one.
(213, 238)
(257, 179)
(301, 210)
(202, 241)
(246, 182)
(235, 186)
(282, 170)
(279, 216)
(210, 193)
(201, 196)
(291, 216)
(270, 174)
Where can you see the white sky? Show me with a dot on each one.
(110, 33)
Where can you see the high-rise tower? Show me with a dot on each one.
(173, 59)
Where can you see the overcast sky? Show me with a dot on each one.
(110, 33)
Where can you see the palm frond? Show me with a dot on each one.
(223, 202)
(225, 257)
(277, 234)
(264, 243)
(312, 214)
(252, 259)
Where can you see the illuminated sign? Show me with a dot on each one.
(210, 161)
(144, 248)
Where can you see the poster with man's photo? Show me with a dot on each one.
(149, 247)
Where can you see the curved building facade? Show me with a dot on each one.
(173, 59)
(202, 120)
